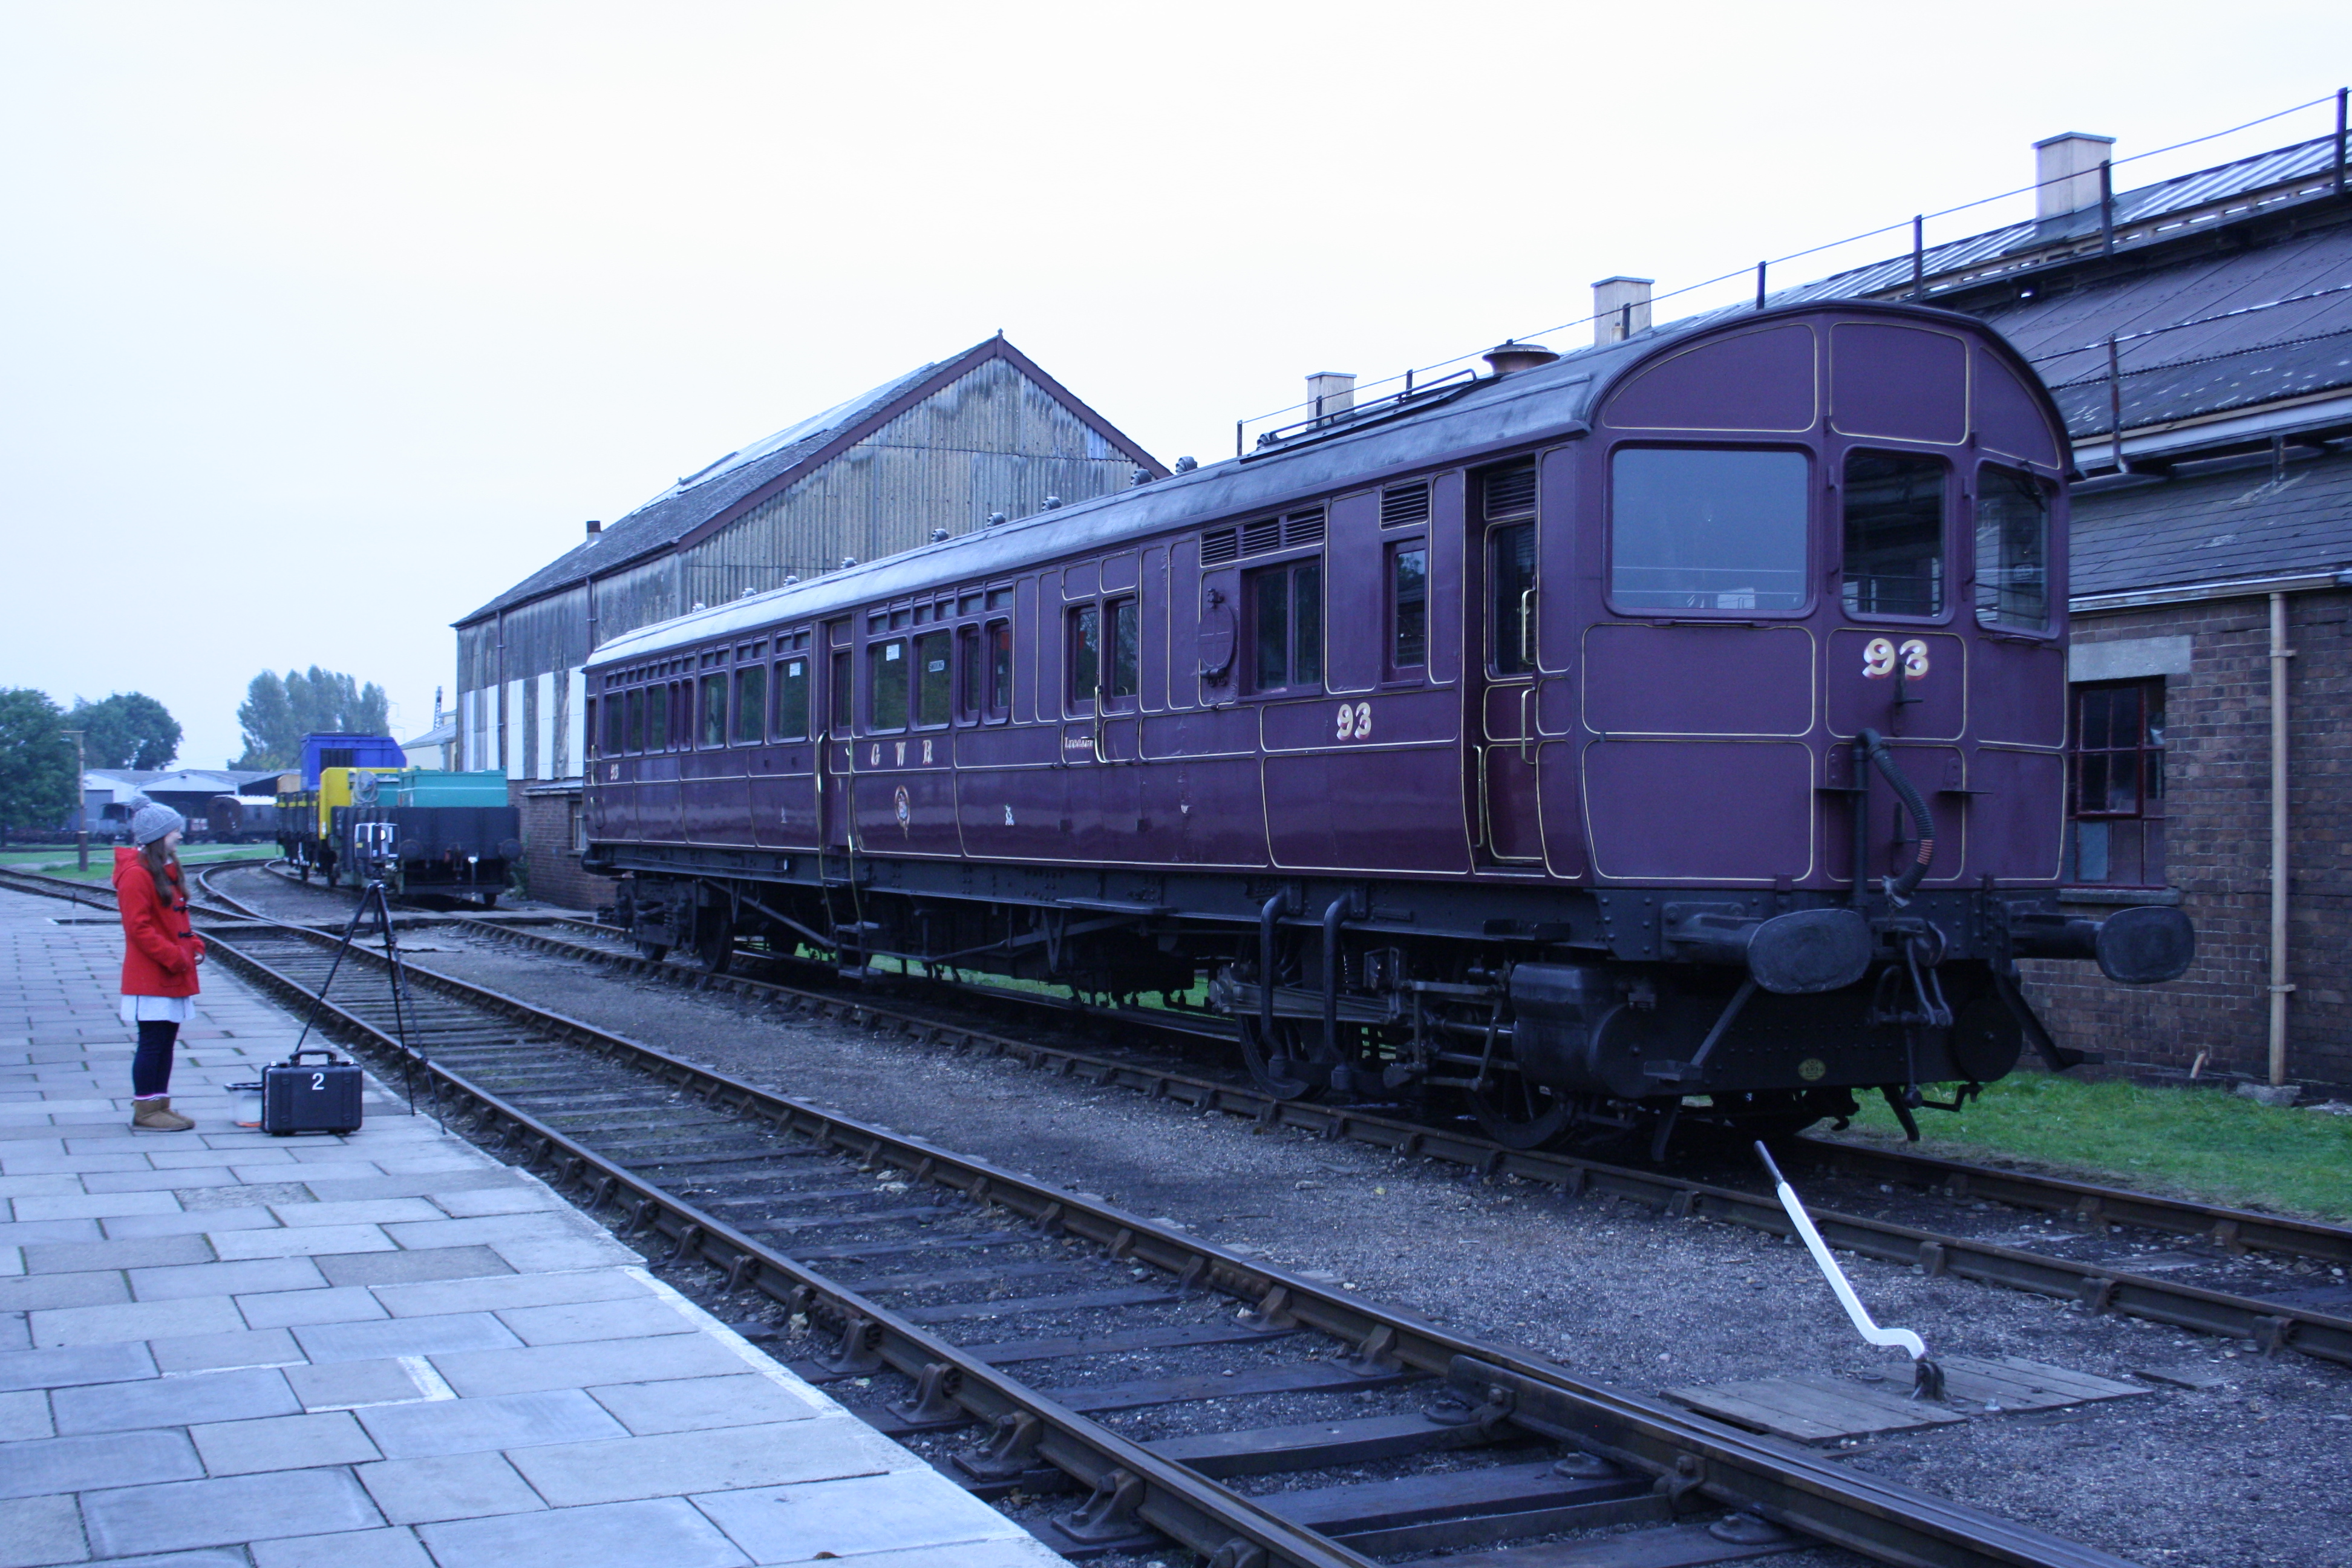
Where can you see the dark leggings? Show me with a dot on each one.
(150, 1070)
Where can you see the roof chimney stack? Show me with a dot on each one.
(594, 528)
(2066, 173)
(1621, 307)
(1505, 357)
(1331, 391)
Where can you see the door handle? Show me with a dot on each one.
(1527, 628)
(1527, 726)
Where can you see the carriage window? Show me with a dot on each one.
(933, 678)
(751, 703)
(1511, 568)
(1125, 648)
(1000, 669)
(1086, 653)
(2012, 549)
(1710, 530)
(1894, 534)
(886, 684)
(616, 732)
(636, 732)
(714, 710)
(836, 718)
(656, 718)
(792, 699)
(1286, 611)
(1408, 606)
(970, 676)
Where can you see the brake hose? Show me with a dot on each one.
(1873, 745)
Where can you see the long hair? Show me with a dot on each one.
(165, 867)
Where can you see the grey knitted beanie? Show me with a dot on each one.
(151, 821)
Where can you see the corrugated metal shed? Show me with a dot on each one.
(939, 447)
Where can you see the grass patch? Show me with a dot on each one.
(61, 861)
(2191, 1142)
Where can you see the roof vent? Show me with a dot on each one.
(1052, 503)
(1621, 307)
(594, 528)
(1330, 392)
(791, 579)
(701, 606)
(1139, 478)
(938, 536)
(848, 562)
(749, 593)
(1505, 358)
(2066, 173)
(1186, 465)
(994, 517)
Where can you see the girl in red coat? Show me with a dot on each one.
(160, 955)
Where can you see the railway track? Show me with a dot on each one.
(2098, 1269)
(1049, 1345)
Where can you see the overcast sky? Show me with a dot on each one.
(321, 324)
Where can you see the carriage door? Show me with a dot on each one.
(837, 751)
(1499, 664)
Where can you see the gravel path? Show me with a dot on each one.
(2253, 1471)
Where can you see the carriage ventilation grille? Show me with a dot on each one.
(1223, 544)
(1511, 491)
(1404, 506)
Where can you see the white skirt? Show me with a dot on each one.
(157, 1009)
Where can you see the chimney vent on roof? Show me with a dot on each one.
(1330, 392)
(594, 528)
(2066, 173)
(938, 536)
(994, 517)
(1621, 307)
(1052, 503)
(1505, 358)
(1186, 465)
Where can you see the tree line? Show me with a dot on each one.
(131, 730)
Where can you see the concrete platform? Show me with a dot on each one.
(381, 1351)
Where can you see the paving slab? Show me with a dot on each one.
(220, 1349)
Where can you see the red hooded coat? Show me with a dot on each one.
(159, 950)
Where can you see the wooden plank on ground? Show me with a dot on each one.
(2018, 1384)
(1813, 1409)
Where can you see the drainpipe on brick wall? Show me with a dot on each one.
(2279, 987)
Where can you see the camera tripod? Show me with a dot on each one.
(375, 900)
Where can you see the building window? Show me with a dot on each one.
(714, 710)
(2115, 827)
(1085, 655)
(886, 684)
(934, 678)
(1694, 529)
(2012, 549)
(792, 699)
(1408, 607)
(1286, 612)
(1894, 534)
(750, 703)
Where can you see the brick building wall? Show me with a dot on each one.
(551, 852)
(2218, 790)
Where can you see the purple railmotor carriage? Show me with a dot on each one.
(1674, 729)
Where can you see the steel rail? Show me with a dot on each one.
(1690, 1456)
(2099, 1286)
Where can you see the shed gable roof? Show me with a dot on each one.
(701, 503)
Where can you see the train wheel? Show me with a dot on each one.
(714, 944)
(1291, 1070)
(653, 952)
(1518, 1114)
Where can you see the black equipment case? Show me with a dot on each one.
(323, 1097)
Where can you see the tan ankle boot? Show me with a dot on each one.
(157, 1116)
